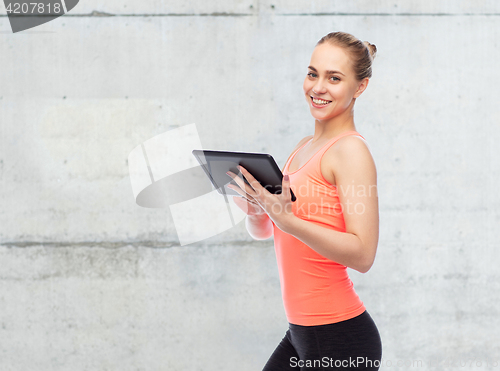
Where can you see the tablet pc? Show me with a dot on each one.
(261, 165)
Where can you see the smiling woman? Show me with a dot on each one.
(329, 227)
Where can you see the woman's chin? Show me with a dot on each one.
(319, 115)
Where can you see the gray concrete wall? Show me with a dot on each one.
(91, 281)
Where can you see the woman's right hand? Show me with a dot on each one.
(245, 202)
(257, 222)
(248, 207)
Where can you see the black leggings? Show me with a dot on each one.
(353, 344)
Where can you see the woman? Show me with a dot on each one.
(333, 224)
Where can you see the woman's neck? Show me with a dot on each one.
(325, 130)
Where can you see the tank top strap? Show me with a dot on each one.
(318, 154)
(334, 140)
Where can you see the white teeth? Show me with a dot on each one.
(320, 101)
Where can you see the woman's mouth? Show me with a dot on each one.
(316, 102)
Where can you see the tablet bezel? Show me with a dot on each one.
(262, 166)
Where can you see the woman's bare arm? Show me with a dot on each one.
(356, 180)
(259, 227)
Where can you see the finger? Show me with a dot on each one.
(243, 195)
(237, 190)
(253, 182)
(285, 184)
(242, 204)
(248, 200)
(286, 189)
(241, 183)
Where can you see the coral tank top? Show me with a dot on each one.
(315, 290)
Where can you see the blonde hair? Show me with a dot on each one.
(362, 53)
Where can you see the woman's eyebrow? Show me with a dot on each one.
(327, 72)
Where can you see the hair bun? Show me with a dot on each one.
(372, 48)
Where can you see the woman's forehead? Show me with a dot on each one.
(330, 57)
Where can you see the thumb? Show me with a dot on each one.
(286, 187)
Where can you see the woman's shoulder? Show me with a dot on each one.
(350, 144)
(350, 150)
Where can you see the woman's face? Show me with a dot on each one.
(332, 78)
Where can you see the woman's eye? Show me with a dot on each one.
(313, 75)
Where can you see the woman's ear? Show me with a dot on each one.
(361, 88)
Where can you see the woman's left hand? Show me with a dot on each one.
(277, 206)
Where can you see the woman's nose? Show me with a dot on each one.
(319, 88)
